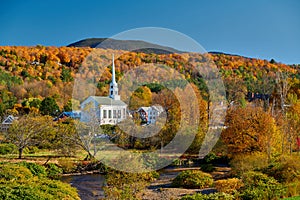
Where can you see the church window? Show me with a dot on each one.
(109, 114)
(115, 114)
(104, 114)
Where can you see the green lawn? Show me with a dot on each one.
(293, 198)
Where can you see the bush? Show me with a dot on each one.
(210, 158)
(293, 189)
(18, 182)
(229, 186)
(193, 179)
(7, 148)
(285, 170)
(53, 171)
(13, 172)
(31, 150)
(39, 189)
(253, 162)
(207, 167)
(258, 186)
(213, 196)
(123, 185)
(67, 166)
(35, 169)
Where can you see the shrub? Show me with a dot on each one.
(31, 150)
(212, 196)
(211, 157)
(67, 166)
(293, 189)
(35, 169)
(252, 162)
(193, 179)
(41, 189)
(18, 182)
(123, 185)
(207, 167)
(14, 172)
(230, 186)
(285, 170)
(176, 162)
(258, 186)
(7, 148)
(53, 171)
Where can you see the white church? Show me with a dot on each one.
(106, 110)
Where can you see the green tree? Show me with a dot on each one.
(49, 107)
(35, 103)
(66, 75)
(30, 131)
(7, 101)
(72, 104)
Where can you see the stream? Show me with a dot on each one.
(89, 186)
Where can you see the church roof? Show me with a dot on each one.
(108, 101)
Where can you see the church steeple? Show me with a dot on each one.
(113, 86)
(113, 70)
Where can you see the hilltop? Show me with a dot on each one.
(127, 45)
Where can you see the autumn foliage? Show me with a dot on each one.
(28, 75)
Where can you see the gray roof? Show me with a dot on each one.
(9, 119)
(158, 108)
(108, 101)
(146, 109)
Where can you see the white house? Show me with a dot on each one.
(106, 110)
(150, 114)
(7, 122)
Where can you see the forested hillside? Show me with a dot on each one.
(29, 74)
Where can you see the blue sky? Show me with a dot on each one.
(258, 28)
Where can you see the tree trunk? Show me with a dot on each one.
(88, 157)
(20, 153)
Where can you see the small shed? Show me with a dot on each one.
(6, 123)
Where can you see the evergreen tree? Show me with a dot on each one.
(49, 107)
(66, 75)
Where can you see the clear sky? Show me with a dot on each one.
(256, 28)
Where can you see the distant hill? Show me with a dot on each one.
(227, 54)
(138, 45)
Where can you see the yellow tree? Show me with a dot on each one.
(292, 122)
(140, 97)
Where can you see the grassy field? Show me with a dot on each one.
(293, 198)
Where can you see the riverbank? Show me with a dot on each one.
(162, 187)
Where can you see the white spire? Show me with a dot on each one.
(113, 70)
(113, 87)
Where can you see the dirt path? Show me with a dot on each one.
(162, 189)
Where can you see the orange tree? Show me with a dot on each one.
(249, 129)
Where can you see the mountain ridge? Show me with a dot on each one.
(127, 45)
